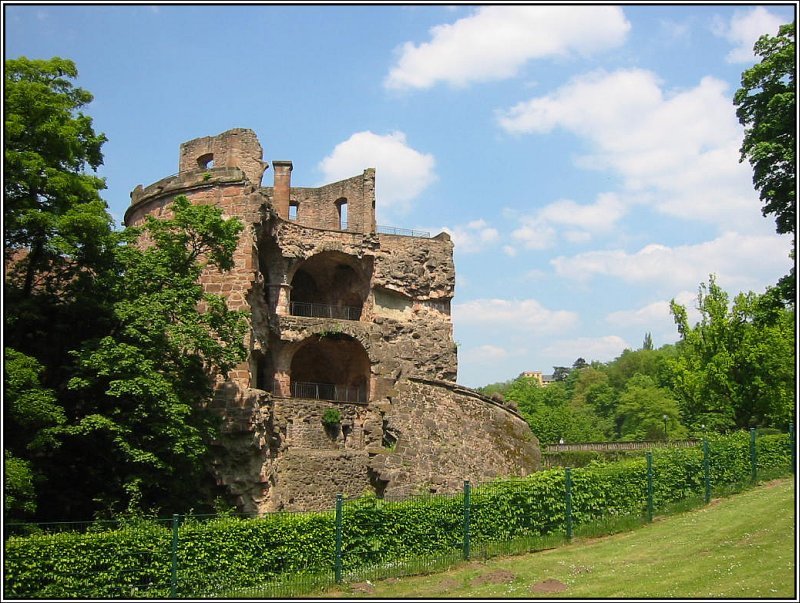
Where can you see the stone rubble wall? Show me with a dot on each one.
(447, 434)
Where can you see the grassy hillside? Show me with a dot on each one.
(737, 547)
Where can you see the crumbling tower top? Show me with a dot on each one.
(236, 148)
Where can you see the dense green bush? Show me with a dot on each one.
(135, 559)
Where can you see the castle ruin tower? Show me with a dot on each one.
(348, 317)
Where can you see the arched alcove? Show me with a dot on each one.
(330, 284)
(331, 367)
(206, 161)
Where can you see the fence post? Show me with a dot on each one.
(707, 470)
(568, 484)
(173, 578)
(792, 445)
(467, 505)
(649, 486)
(753, 470)
(338, 551)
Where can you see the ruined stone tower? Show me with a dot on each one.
(345, 315)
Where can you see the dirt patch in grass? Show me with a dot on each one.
(362, 587)
(448, 584)
(548, 586)
(499, 576)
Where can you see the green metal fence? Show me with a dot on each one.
(369, 538)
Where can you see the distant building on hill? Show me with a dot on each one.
(543, 380)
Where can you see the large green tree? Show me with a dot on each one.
(111, 344)
(767, 108)
(141, 390)
(735, 368)
(57, 240)
(52, 208)
(648, 412)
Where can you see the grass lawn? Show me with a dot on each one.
(737, 547)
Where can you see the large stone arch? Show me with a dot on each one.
(330, 284)
(333, 366)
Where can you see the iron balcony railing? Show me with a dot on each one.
(329, 391)
(389, 230)
(324, 311)
(403, 232)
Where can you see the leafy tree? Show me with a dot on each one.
(550, 414)
(735, 368)
(647, 344)
(591, 391)
(30, 411)
(142, 389)
(19, 495)
(113, 413)
(52, 207)
(642, 408)
(630, 363)
(767, 108)
(560, 373)
(579, 363)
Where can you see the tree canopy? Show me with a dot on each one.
(734, 369)
(767, 108)
(112, 415)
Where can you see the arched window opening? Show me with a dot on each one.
(334, 367)
(341, 209)
(206, 161)
(328, 286)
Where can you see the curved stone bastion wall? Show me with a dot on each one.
(350, 382)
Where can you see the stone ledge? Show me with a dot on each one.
(460, 389)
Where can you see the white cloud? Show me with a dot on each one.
(496, 41)
(740, 262)
(678, 149)
(473, 236)
(743, 31)
(510, 251)
(526, 314)
(656, 316)
(402, 173)
(484, 353)
(535, 234)
(564, 352)
(538, 231)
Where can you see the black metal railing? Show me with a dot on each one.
(403, 232)
(324, 311)
(343, 227)
(329, 391)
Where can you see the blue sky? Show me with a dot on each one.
(584, 158)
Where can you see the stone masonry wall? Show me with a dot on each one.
(447, 434)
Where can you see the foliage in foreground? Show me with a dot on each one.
(232, 552)
(108, 416)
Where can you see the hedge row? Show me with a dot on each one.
(136, 559)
